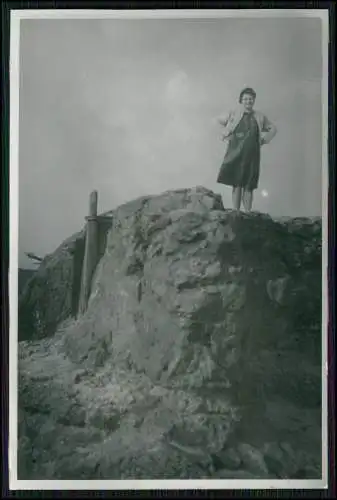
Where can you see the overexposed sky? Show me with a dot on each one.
(127, 107)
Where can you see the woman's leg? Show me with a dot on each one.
(247, 199)
(236, 197)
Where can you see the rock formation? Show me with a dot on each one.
(199, 355)
(24, 276)
(52, 295)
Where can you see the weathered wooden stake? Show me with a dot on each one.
(90, 252)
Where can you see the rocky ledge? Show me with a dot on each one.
(199, 355)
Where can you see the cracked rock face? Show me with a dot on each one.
(50, 296)
(199, 355)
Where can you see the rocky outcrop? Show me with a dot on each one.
(24, 276)
(51, 295)
(199, 355)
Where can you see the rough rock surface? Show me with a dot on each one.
(199, 355)
(24, 275)
(50, 296)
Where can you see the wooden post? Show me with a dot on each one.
(90, 252)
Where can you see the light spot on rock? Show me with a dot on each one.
(276, 289)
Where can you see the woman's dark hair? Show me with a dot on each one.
(247, 90)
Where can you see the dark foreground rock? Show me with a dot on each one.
(24, 275)
(51, 295)
(199, 355)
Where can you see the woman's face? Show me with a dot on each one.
(248, 101)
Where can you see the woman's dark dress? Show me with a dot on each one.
(241, 164)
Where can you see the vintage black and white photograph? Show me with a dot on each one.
(168, 183)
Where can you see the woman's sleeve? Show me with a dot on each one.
(223, 119)
(269, 129)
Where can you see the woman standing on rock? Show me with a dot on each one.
(246, 130)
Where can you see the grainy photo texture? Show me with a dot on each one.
(170, 248)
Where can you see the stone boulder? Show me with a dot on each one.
(24, 275)
(199, 355)
(51, 294)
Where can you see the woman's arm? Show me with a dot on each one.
(270, 131)
(223, 119)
